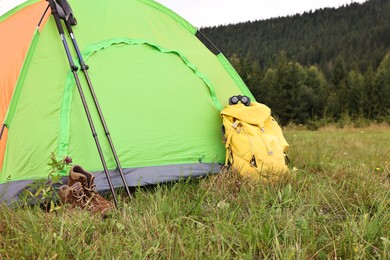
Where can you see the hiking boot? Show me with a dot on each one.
(96, 202)
(73, 195)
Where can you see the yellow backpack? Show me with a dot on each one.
(255, 145)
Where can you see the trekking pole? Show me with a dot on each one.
(85, 68)
(74, 69)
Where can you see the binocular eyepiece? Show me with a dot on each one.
(243, 99)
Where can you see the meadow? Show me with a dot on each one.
(335, 205)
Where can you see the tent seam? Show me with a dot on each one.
(235, 76)
(86, 54)
(21, 78)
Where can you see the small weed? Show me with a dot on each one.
(44, 192)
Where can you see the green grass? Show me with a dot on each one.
(336, 205)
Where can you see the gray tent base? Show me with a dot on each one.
(9, 192)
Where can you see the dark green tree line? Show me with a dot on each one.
(358, 33)
(299, 94)
(327, 63)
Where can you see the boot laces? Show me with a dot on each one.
(91, 190)
(80, 196)
(94, 195)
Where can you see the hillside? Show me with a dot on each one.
(358, 33)
(329, 64)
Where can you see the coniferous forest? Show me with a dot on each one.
(324, 65)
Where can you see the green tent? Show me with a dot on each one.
(160, 83)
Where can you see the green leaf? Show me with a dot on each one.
(38, 192)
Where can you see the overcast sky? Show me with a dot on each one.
(215, 12)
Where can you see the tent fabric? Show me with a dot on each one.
(160, 89)
(135, 177)
(13, 49)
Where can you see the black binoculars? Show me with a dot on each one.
(243, 99)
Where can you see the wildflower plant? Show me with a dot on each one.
(44, 192)
(59, 166)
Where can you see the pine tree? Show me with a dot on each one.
(382, 88)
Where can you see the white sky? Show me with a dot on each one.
(216, 12)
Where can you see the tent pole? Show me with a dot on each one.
(84, 68)
(2, 131)
(74, 69)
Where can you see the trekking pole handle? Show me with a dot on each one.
(61, 31)
(54, 11)
(81, 60)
